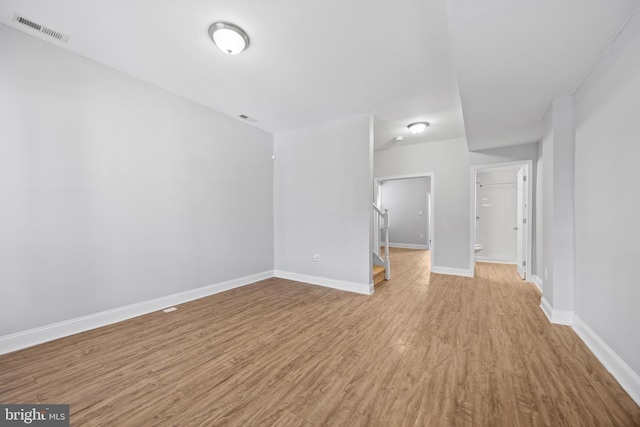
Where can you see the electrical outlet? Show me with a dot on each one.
(546, 273)
(316, 258)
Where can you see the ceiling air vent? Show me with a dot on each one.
(40, 28)
(247, 118)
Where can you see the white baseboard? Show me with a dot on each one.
(464, 272)
(495, 260)
(562, 317)
(31, 337)
(329, 283)
(546, 308)
(628, 379)
(408, 246)
(559, 317)
(537, 281)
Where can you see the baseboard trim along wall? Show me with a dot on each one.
(559, 317)
(31, 337)
(626, 377)
(496, 260)
(408, 246)
(537, 281)
(329, 283)
(464, 272)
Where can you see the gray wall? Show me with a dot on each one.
(406, 200)
(607, 151)
(114, 192)
(323, 197)
(450, 162)
(558, 214)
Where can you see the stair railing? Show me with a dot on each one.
(381, 226)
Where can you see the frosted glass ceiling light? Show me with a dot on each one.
(418, 127)
(230, 38)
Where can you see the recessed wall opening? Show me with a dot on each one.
(501, 211)
(409, 200)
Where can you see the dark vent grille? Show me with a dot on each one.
(29, 23)
(52, 33)
(40, 28)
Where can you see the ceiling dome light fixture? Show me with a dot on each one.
(230, 38)
(418, 127)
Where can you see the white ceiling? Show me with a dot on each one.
(312, 62)
(512, 57)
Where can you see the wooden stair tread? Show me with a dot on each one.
(378, 274)
(378, 269)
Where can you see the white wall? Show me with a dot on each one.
(114, 192)
(450, 161)
(322, 202)
(545, 222)
(406, 200)
(496, 212)
(538, 222)
(558, 235)
(606, 199)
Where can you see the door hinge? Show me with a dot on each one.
(524, 220)
(524, 263)
(524, 178)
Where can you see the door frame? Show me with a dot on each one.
(528, 165)
(522, 221)
(431, 203)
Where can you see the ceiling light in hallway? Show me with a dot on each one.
(418, 127)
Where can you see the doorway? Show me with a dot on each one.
(409, 199)
(501, 211)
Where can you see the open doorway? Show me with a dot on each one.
(409, 201)
(501, 209)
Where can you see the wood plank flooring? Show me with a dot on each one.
(424, 350)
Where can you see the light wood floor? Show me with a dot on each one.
(424, 350)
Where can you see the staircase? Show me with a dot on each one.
(381, 268)
(378, 274)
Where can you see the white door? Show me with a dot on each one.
(522, 223)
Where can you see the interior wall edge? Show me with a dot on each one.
(558, 317)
